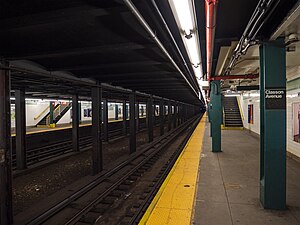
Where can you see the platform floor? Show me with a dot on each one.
(228, 185)
(33, 130)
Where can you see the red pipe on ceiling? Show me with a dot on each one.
(233, 77)
(211, 14)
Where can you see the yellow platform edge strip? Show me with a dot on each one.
(67, 127)
(161, 190)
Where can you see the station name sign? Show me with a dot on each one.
(275, 98)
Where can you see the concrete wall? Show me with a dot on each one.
(33, 110)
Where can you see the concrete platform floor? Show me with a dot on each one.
(31, 129)
(228, 185)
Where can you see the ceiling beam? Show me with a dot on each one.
(103, 49)
(42, 18)
(109, 65)
(133, 75)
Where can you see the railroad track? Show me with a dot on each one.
(90, 203)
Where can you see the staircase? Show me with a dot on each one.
(63, 110)
(232, 112)
(58, 112)
(45, 119)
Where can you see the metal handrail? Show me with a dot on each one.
(54, 111)
(240, 108)
(35, 118)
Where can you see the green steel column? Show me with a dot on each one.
(116, 111)
(126, 111)
(209, 106)
(79, 112)
(52, 104)
(216, 115)
(273, 125)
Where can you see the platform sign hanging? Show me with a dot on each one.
(275, 98)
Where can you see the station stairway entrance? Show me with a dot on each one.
(232, 114)
(59, 111)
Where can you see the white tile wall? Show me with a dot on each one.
(251, 98)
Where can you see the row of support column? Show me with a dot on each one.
(177, 117)
(272, 123)
(99, 131)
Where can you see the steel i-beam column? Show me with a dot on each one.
(180, 113)
(105, 120)
(79, 112)
(161, 117)
(216, 115)
(51, 115)
(132, 123)
(174, 115)
(5, 150)
(137, 113)
(20, 130)
(124, 114)
(273, 125)
(169, 116)
(116, 111)
(75, 123)
(96, 129)
(150, 118)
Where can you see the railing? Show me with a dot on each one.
(56, 112)
(241, 110)
(48, 107)
(223, 116)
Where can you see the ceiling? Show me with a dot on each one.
(232, 19)
(63, 47)
(52, 42)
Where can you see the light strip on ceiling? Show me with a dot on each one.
(184, 13)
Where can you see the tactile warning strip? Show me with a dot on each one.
(174, 201)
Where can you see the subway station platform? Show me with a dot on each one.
(223, 189)
(34, 130)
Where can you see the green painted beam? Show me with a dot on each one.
(273, 125)
(216, 115)
(52, 104)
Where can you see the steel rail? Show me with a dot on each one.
(104, 176)
(163, 142)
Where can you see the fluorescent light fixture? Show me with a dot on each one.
(198, 72)
(193, 51)
(184, 14)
